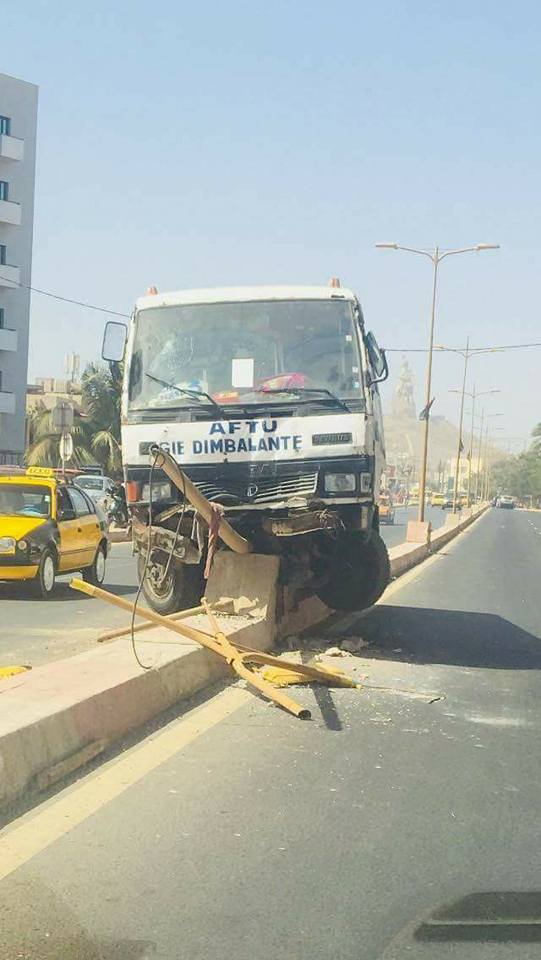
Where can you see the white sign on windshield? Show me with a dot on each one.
(242, 372)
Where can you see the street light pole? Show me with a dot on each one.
(459, 449)
(470, 456)
(472, 397)
(424, 453)
(479, 454)
(436, 257)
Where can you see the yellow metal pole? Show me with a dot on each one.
(140, 627)
(236, 656)
(164, 461)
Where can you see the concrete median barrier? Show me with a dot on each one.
(407, 555)
(56, 717)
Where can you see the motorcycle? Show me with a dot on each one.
(118, 507)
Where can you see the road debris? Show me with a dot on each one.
(353, 644)
(287, 676)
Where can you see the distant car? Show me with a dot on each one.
(437, 500)
(99, 488)
(506, 503)
(386, 508)
(413, 502)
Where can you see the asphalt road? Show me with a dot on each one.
(403, 821)
(395, 533)
(36, 631)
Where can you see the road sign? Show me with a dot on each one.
(62, 416)
(66, 447)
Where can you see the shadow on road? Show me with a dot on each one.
(506, 917)
(452, 637)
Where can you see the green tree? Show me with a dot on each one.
(102, 388)
(536, 435)
(519, 476)
(44, 449)
(95, 432)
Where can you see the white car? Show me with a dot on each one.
(99, 488)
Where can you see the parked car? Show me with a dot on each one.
(386, 508)
(99, 488)
(48, 525)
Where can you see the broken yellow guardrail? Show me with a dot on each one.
(240, 659)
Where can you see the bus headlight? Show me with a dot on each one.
(340, 482)
(160, 491)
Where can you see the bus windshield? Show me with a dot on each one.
(253, 352)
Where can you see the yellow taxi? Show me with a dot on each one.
(386, 508)
(48, 526)
(437, 500)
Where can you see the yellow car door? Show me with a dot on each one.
(88, 526)
(69, 531)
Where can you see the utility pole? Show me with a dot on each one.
(479, 454)
(470, 455)
(435, 257)
(460, 445)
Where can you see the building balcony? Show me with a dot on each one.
(9, 275)
(8, 339)
(7, 402)
(10, 212)
(11, 148)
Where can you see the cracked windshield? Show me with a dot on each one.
(270, 481)
(234, 351)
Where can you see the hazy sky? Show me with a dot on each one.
(245, 142)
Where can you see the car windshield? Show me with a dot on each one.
(253, 353)
(90, 483)
(25, 500)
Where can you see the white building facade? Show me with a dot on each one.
(18, 121)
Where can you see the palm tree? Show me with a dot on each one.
(102, 386)
(95, 433)
(44, 440)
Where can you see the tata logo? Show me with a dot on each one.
(251, 490)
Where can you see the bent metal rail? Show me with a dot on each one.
(241, 660)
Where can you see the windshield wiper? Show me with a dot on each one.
(186, 392)
(299, 391)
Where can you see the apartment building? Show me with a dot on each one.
(18, 120)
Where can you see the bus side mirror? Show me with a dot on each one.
(114, 341)
(378, 359)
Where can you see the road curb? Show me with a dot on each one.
(55, 717)
(407, 555)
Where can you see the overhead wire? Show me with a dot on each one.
(57, 296)
(494, 349)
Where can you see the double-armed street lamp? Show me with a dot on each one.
(473, 396)
(485, 487)
(435, 256)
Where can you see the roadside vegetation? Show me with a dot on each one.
(95, 431)
(520, 476)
